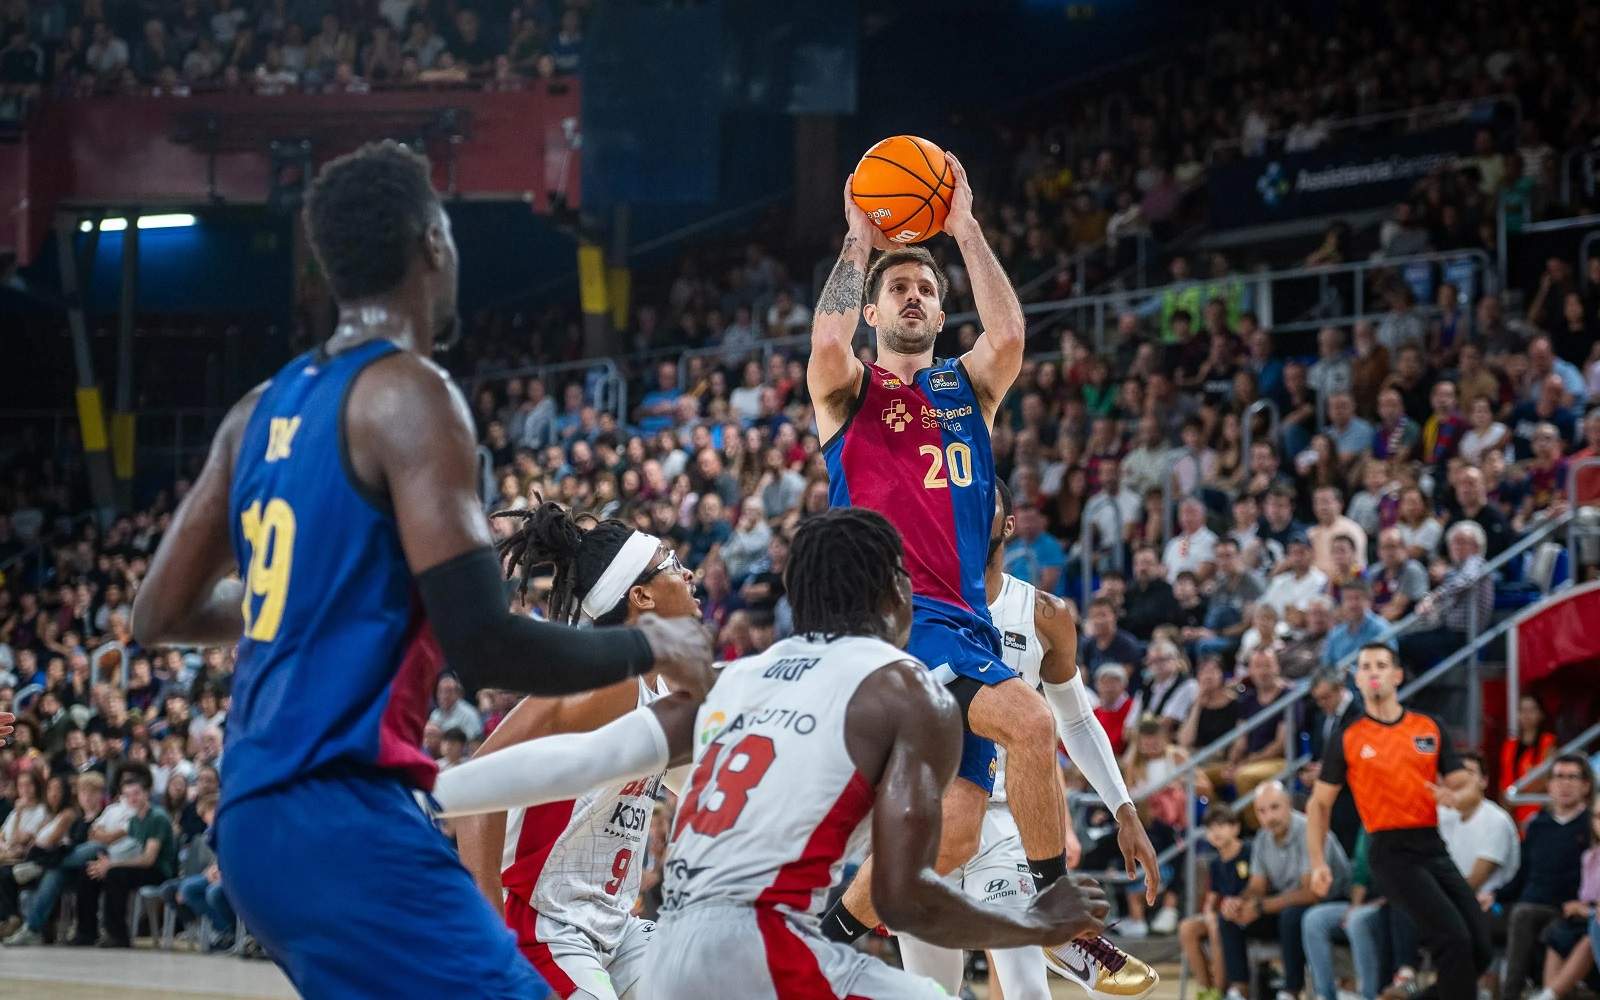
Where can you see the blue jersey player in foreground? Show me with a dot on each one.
(343, 491)
(908, 437)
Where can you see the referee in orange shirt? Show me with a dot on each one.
(1393, 760)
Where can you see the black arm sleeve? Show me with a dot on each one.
(489, 646)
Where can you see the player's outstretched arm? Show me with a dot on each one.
(411, 446)
(481, 838)
(1085, 738)
(833, 373)
(906, 730)
(996, 358)
(189, 595)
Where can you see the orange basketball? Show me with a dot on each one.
(905, 186)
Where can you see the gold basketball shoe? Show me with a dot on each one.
(1105, 971)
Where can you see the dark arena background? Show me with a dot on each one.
(1305, 286)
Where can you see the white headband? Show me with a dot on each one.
(636, 556)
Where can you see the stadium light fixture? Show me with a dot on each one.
(172, 220)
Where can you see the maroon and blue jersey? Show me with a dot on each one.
(919, 455)
(337, 663)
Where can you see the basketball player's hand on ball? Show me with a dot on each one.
(960, 221)
(1073, 907)
(682, 649)
(1321, 880)
(862, 228)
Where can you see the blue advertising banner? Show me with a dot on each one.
(1331, 179)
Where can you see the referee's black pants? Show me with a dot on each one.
(1412, 868)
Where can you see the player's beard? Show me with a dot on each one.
(995, 543)
(901, 340)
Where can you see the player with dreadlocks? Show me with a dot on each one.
(794, 747)
(565, 874)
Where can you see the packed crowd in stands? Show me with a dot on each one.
(281, 46)
(1412, 450)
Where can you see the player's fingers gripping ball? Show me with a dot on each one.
(904, 184)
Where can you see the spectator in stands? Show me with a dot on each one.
(107, 54)
(1356, 626)
(1550, 406)
(1146, 464)
(1589, 477)
(1117, 710)
(1534, 743)
(1552, 861)
(1034, 555)
(1192, 549)
(1397, 436)
(1258, 756)
(1481, 836)
(1149, 601)
(1301, 653)
(1472, 506)
(151, 858)
(1484, 433)
(1328, 505)
(1352, 436)
(202, 894)
(1231, 592)
(1105, 642)
(1169, 691)
(1148, 768)
(1419, 530)
(1441, 432)
(1568, 959)
(1459, 606)
(1298, 581)
(1331, 374)
(452, 711)
(1228, 875)
(1278, 894)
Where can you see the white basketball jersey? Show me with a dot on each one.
(1012, 611)
(774, 801)
(578, 861)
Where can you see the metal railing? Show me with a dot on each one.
(1093, 311)
(1245, 435)
(1517, 794)
(1592, 462)
(610, 392)
(1427, 116)
(1579, 155)
(1089, 553)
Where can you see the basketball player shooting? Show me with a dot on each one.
(909, 438)
(344, 490)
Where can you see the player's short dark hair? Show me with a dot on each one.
(578, 549)
(1394, 657)
(904, 255)
(1219, 814)
(1476, 758)
(1007, 504)
(137, 772)
(365, 216)
(455, 733)
(841, 572)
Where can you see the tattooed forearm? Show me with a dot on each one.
(842, 293)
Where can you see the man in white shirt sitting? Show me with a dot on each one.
(1291, 590)
(1193, 548)
(1481, 836)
